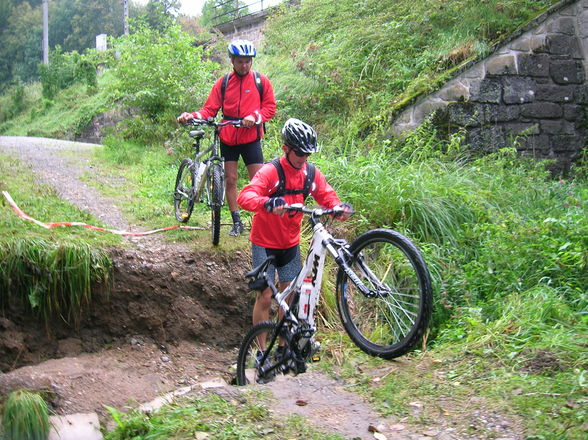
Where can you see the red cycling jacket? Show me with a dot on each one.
(241, 100)
(272, 231)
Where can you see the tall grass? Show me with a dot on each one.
(53, 280)
(25, 416)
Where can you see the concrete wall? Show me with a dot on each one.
(530, 93)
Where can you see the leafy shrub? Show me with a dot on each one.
(159, 71)
(64, 69)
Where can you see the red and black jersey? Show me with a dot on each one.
(269, 230)
(241, 99)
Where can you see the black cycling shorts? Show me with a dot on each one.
(251, 152)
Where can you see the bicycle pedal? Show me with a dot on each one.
(316, 358)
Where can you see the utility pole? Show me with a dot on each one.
(46, 31)
(126, 16)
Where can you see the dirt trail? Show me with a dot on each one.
(174, 320)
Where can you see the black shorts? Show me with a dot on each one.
(251, 152)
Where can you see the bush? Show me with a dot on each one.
(161, 71)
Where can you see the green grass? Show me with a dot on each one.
(211, 415)
(49, 271)
(25, 416)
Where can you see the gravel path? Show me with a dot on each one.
(54, 162)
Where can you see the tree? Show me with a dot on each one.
(161, 14)
(219, 11)
(20, 49)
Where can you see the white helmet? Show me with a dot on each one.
(241, 48)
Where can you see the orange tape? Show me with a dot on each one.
(85, 225)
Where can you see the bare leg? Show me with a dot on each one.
(261, 309)
(231, 185)
(253, 168)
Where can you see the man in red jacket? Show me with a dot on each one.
(242, 95)
(272, 232)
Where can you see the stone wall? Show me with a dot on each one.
(531, 93)
(249, 27)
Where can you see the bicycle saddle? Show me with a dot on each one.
(259, 281)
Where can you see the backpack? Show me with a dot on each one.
(282, 191)
(258, 83)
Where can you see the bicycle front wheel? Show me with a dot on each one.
(251, 366)
(392, 321)
(215, 188)
(184, 191)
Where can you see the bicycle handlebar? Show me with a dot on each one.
(212, 123)
(315, 211)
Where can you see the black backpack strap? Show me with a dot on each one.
(309, 179)
(282, 191)
(224, 87)
(259, 85)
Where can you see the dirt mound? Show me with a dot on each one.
(167, 294)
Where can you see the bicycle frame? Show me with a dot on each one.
(202, 173)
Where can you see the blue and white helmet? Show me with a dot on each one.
(242, 48)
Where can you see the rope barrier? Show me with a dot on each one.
(51, 225)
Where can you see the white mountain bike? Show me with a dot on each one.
(384, 300)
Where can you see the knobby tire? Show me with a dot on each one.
(247, 371)
(184, 191)
(216, 200)
(391, 323)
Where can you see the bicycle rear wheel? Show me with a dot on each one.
(215, 188)
(390, 323)
(184, 191)
(250, 367)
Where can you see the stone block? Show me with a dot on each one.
(533, 64)
(562, 25)
(494, 113)
(574, 112)
(465, 114)
(426, 108)
(567, 71)
(558, 126)
(555, 93)
(501, 65)
(490, 91)
(583, 23)
(581, 96)
(568, 142)
(564, 45)
(522, 129)
(541, 110)
(455, 91)
(486, 139)
(518, 90)
(540, 145)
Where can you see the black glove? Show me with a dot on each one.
(346, 208)
(273, 203)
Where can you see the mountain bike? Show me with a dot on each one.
(383, 294)
(203, 177)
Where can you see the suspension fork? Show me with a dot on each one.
(342, 258)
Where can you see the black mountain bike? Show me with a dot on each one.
(202, 178)
(383, 293)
